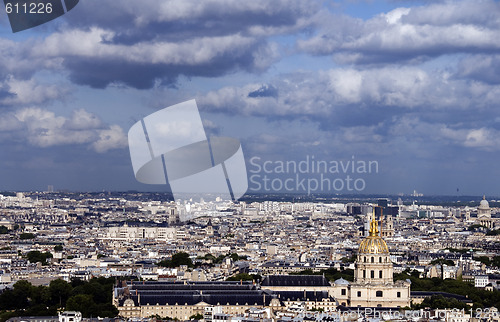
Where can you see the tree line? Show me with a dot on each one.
(93, 298)
(479, 297)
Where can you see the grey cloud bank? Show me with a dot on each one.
(416, 88)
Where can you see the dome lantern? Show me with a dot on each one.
(373, 244)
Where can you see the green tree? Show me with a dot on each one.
(93, 298)
(479, 297)
(495, 232)
(177, 260)
(244, 277)
(483, 259)
(58, 248)
(22, 291)
(4, 230)
(35, 256)
(441, 302)
(350, 259)
(197, 316)
(60, 291)
(27, 236)
(207, 257)
(235, 257)
(317, 309)
(100, 291)
(81, 302)
(40, 294)
(496, 261)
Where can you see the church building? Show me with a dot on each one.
(484, 214)
(373, 284)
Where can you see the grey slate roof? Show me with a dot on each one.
(295, 280)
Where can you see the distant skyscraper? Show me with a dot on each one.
(50, 188)
(383, 202)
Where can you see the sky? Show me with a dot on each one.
(411, 86)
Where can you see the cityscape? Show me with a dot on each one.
(249, 161)
(138, 256)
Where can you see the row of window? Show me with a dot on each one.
(373, 259)
(377, 294)
(372, 274)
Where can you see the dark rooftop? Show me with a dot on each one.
(295, 280)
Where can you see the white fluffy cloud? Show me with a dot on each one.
(43, 128)
(410, 33)
(111, 138)
(325, 93)
(487, 139)
(98, 43)
(26, 92)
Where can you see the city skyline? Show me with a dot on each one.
(413, 86)
(290, 258)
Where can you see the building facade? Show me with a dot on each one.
(373, 284)
(484, 214)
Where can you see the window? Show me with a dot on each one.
(380, 259)
(343, 291)
(379, 274)
(379, 294)
(399, 294)
(365, 259)
(364, 273)
(373, 259)
(359, 293)
(372, 274)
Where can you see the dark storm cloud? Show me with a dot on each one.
(99, 72)
(141, 44)
(180, 20)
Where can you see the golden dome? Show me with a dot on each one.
(373, 244)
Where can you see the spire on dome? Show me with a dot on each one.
(373, 225)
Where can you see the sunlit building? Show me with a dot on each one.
(373, 284)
